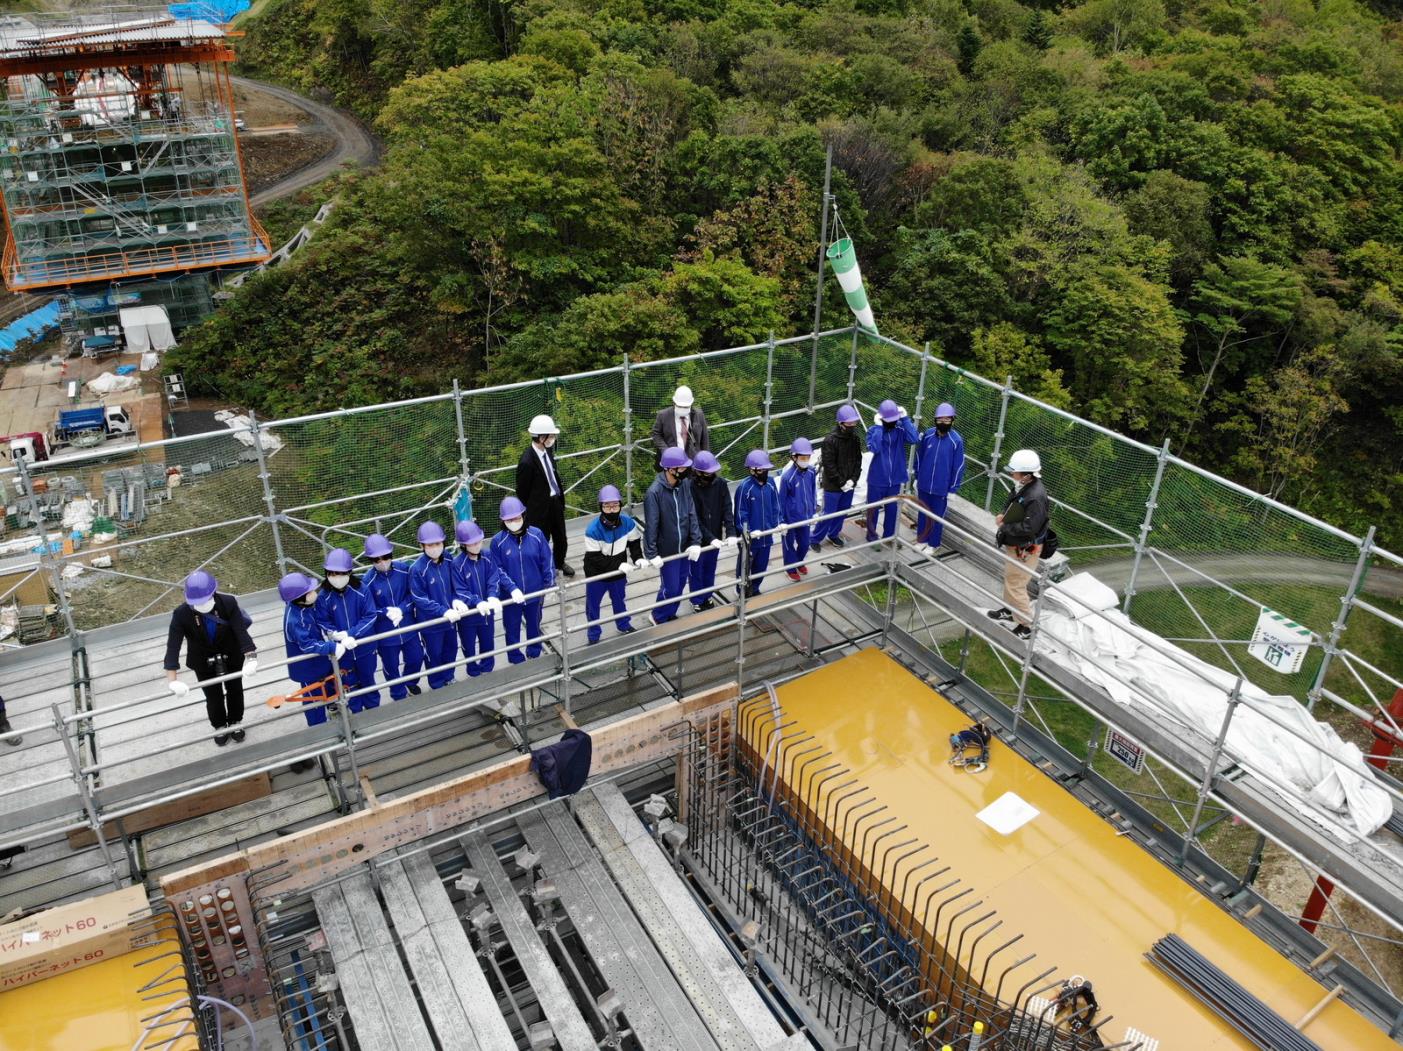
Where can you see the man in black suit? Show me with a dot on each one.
(215, 633)
(538, 486)
(682, 425)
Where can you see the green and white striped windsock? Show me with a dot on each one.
(843, 258)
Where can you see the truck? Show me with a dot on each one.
(81, 427)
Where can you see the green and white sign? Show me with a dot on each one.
(1279, 643)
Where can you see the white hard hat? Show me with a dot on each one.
(1025, 461)
(542, 425)
(682, 397)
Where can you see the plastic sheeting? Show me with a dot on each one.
(108, 382)
(220, 12)
(242, 427)
(146, 328)
(104, 98)
(1269, 735)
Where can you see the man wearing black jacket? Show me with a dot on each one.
(1022, 530)
(215, 633)
(538, 486)
(841, 467)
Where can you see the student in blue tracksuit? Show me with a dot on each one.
(757, 514)
(387, 584)
(940, 467)
(304, 637)
(712, 498)
(438, 593)
(888, 439)
(348, 615)
(798, 500)
(613, 552)
(482, 579)
(672, 528)
(524, 560)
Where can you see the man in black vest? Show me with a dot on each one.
(215, 632)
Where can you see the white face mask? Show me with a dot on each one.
(801, 462)
(474, 549)
(203, 607)
(338, 580)
(433, 551)
(383, 564)
(514, 525)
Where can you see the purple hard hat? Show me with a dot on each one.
(377, 546)
(199, 586)
(889, 411)
(757, 459)
(293, 586)
(847, 414)
(511, 508)
(801, 447)
(675, 457)
(610, 495)
(468, 532)
(430, 533)
(945, 409)
(705, 463)
(338, 560)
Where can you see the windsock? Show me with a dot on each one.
(843, 259)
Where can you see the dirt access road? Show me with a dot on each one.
(353, 142)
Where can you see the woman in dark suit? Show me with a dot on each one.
(215, 633)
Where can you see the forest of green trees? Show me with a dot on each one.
(1180, 218)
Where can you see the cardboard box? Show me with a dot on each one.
(70, 936)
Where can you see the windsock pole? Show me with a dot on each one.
(818, 290)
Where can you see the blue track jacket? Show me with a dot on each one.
(434, 586)
(671, 516)
(524, 563)
(940, 462)
(757, 506)
(386, 590)
(798, 493)
(480, 576)
(352, 610)
(888, 466)
(302, 632)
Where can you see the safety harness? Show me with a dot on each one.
(969, 749)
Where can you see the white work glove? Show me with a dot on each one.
(628, 569)
(340, 636)
(340, 650)
(656, 561)
(693, 552)
(483, 609)
(460, 606)
(452, 615)
(877, 418)
(349, 642)
(494, 604)
(642, 563)
(395, 615)
(518, 595)
(177, 687)
(732, 541)
(718, 543)
(250, 667)
(901, 412)
(849, 486)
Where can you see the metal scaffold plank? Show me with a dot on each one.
(373, 983)
(656, 1007)
(461, 1005)
(734, 1011)
(571, 1031)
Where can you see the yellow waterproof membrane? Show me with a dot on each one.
(1086, 900)
(97, 1007)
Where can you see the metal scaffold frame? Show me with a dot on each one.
(851, 364)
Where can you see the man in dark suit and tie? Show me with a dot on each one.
(682, 425)
(538, 487)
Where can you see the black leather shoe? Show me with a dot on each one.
(702, 607)
(237, 733)
(415, 689)
(221, 739)
(567, 570)
(627, 631)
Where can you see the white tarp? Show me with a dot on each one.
(103, 98)
(242, 427)
(107, 382)
(150, 360)
(1268, 735)
(147, 328)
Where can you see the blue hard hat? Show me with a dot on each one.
(801, 447)
(945, 409)
(610, 495)
(468, 532)
(338, 560)
(758, 459)
(889, 411)
(430, 533)
(847, 414)
(378, 546)
(199, 586)
(674, 458)
(511, 508)
(293, 586)
(705, 463)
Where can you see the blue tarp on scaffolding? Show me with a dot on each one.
(35, 323)
(218, 11)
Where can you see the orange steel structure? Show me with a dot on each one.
(119, 153)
